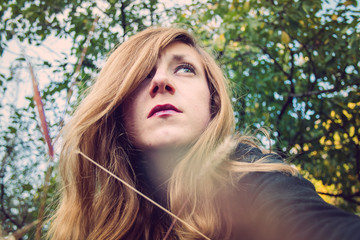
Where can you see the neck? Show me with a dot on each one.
(158, 166)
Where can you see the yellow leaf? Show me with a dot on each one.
(334, 17)
(338, 146)
(322, 140)
(285, 37)
(327, 124)
(351, 105)
(332, 114)
(232, 7)
(352, 131)
(313, 153)
(306, 147)
(338, 121)
(336, 137)
(246, 6)
(328, 142)
(347, 3)
(348, 115)
(302, 23)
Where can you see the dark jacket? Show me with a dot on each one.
(276, 206)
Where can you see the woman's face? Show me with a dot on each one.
(171, 107)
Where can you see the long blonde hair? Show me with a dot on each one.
(94, 205)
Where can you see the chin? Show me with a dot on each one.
(166, 144)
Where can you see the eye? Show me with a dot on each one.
(185, 68)
(151, 74)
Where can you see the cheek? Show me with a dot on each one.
(129, 115)
(130, 124)
(203, 110)
(131, 106)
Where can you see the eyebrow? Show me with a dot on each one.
(178, 57)
(181, 57)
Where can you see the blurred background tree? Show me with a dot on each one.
(293, 67)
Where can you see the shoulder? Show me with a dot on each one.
(276, 205)
(251, 154)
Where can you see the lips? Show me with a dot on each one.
(163, 109)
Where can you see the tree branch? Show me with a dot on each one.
(284, 107)
(76, 74)
(124, 23)
(43, 202)
(311, 93)
(349, 198)
(288, 75)
(9, 150)
(277, 64)
(21, 232)
(3, 210)
(357, 154)
(291, 74)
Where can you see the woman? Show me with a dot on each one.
(159, 118)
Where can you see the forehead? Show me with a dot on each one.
(179, 51)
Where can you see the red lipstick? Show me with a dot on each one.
(164, 109)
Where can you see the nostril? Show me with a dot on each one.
(155, 89)
(168, 88)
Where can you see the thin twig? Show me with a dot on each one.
(9, 150)
(349, 198)
(82, 57)
(40, 106)
(22, 231)
(43, 200)
(45, 131)
(311, 93)
(174, 220)
(76, 74)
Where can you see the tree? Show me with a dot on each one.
(294, 67)
(93, 29)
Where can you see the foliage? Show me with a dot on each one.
(32, 23)
(293, 66)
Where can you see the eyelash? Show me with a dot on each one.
(185, 66)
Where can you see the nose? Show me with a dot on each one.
(160, 83)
